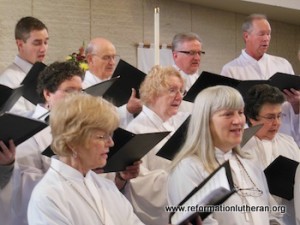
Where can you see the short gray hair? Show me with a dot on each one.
(247, 25)
(179, 38)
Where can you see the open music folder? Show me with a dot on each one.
(18, 128)
(208, 79)
(30, 83)
(130, 147)
(280, 176)
(214, 190)
(101, 88)
(130, 77)
(9, 96)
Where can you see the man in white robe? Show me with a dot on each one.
(255, 64)
(101, 57)
(32, 38)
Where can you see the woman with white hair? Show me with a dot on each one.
(214, 134)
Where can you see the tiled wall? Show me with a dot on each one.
(128, 22)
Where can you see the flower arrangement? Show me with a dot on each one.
(79, 58)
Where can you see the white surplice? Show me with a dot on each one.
(190, 172)
(65, 196)
(147, 192)
(265, 152)
(12, 77)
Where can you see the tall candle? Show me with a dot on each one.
(156, 36)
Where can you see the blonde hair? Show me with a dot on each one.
(156, 81)
(74, 118)
(199, 139)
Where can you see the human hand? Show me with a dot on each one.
(293, 97)
(131, 171)
(134, 104)
(7, 154)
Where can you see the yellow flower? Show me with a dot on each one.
(84, 66)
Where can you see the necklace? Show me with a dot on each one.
(245, 192)
(95, 209)
(253, 191)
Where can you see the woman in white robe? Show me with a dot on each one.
(70, 192)
(214, 134)
(263, 105)
(161, 92)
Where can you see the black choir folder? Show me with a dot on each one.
(280, 176)
(18, 128)
(174, 144)
(101, 88)
(9, 96)
(207, 79)
(213, 191)
(30, 83)
(130, 77)
(130, 147)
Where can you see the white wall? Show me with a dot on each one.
(128, 22)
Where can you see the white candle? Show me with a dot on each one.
(156, 36)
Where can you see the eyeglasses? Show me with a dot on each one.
(108, 57)
(105, 137)
(174, 91)
(246, 192)
(271, 118)
(193, 53)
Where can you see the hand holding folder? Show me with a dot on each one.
(214, 190)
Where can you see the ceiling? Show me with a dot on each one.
(290, 13)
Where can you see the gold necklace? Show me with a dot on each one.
(80, 194)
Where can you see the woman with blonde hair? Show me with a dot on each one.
(161, 93)
(70, 192)
(214, 134)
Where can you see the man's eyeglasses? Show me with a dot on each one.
(193, 53)
(271, 118)
(174, 91)
(108, 57)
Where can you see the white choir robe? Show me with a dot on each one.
(125, 116)
(12, 77)
(147, 192)
(189, 173)
(266, 151)
(77, 200)
(30, 166)
(247, 68)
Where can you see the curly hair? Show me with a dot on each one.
(259, 95)
(56, 73)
